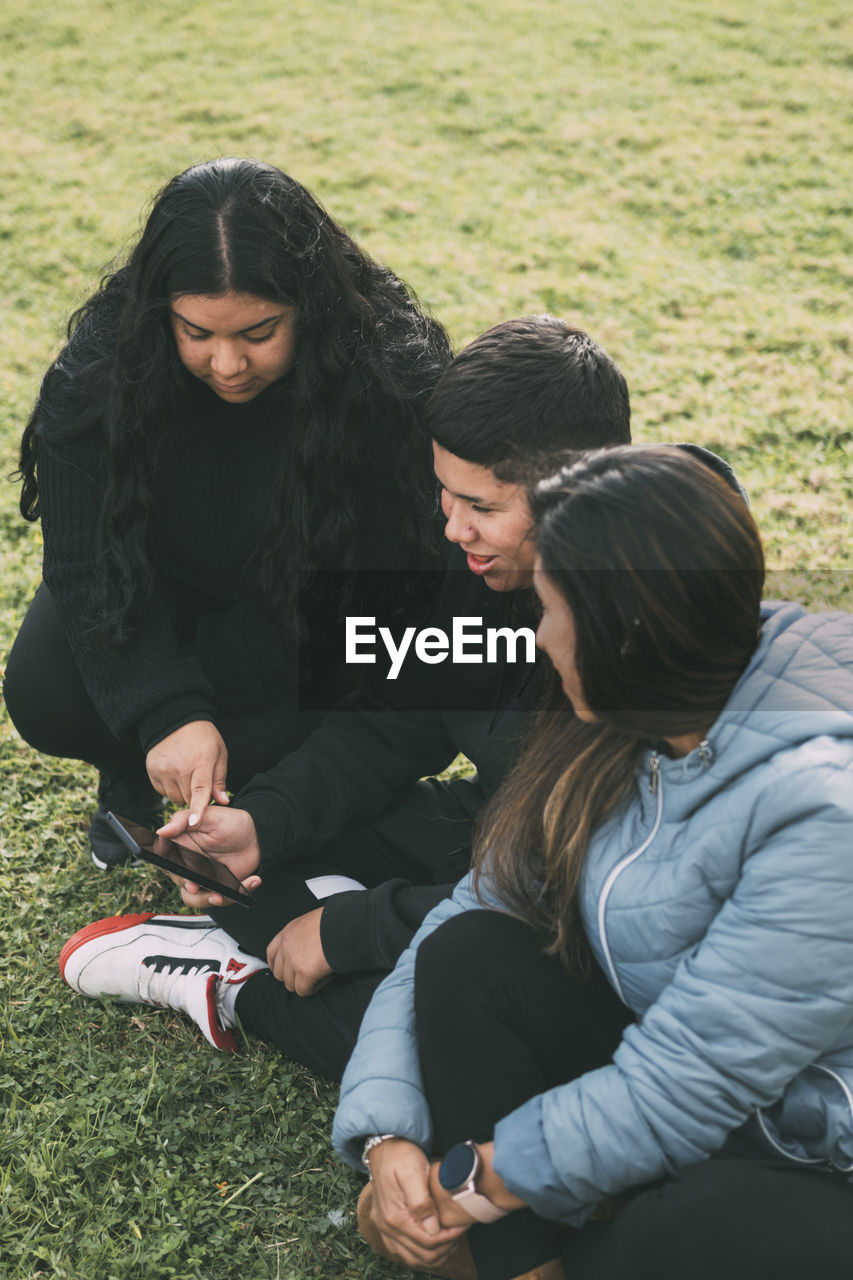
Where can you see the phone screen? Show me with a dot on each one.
(201, 870)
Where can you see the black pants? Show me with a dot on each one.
(319, 1031)
(52, 711)
(408, 860)
(498, 1022)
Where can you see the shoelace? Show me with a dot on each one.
(170, 985)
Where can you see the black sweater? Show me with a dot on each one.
(207, 640)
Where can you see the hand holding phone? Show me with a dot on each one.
(225, 833)
(185, 863)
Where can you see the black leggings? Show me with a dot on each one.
(52, 711)
(499, 1022)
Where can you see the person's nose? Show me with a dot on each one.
(227, 360)
(459, 527)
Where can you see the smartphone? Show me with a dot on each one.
(201, 870)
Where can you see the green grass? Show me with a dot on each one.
(679, 186)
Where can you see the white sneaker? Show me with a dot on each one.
(179, 962)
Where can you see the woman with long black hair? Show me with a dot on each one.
(682, 828)
(228, 444)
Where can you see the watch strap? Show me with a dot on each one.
(480, 1207)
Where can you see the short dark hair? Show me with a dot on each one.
(525, 390)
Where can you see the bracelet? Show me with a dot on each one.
(370, 1144)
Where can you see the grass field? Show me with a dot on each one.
(677, 185)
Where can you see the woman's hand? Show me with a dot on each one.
(227, 835)
(189, 767)
(489, 1184)
(404, 1212)
(296, 955)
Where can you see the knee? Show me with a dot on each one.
(26, 685)
(30, 710)
(42, 688)
(470, 953)
(20, 703)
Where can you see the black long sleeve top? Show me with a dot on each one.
(388, 734)
(376, 743)
(206, 639)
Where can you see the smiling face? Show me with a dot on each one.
(488, 518)
(237, 343)
(555, 636)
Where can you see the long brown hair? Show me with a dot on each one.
(661, 567)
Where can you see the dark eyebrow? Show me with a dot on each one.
(467, 497)
(259, 325)
(477, 502)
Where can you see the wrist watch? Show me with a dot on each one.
(457, 1174)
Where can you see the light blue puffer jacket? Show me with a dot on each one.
(719, 900)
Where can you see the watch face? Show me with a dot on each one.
(458, 1166)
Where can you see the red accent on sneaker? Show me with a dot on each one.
(100, 928)
(235, 966)
(221, 1038)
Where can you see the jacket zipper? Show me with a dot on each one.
(829, 1164)
(656, 789)
(782, 1152)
